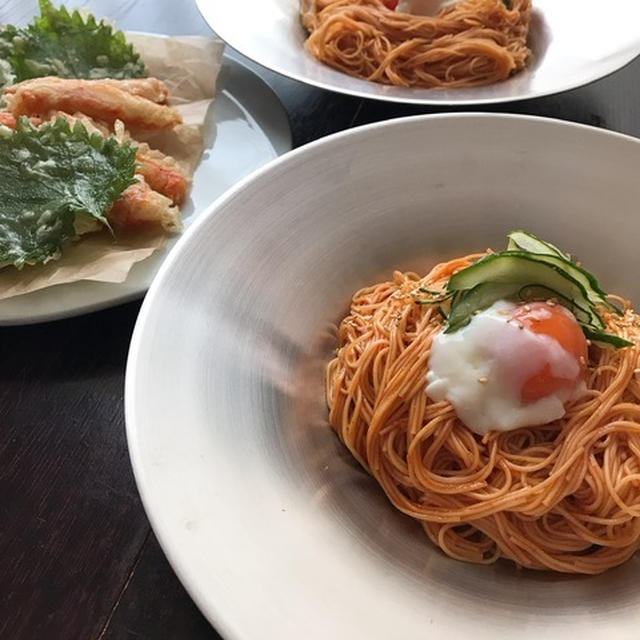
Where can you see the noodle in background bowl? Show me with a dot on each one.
(573, 42)
(272, 527)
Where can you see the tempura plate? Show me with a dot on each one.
(248, 128)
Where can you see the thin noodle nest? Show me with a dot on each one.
(563, 496)
(472, 43)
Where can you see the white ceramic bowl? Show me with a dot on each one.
(272, 528)
(574, 42)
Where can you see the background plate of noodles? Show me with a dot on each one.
(487, 51)
(270, 523)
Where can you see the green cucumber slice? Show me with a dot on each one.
(530, 269)
(523, 241)
(531, 292)
(516, 267)
(484, 295)
(608, 338)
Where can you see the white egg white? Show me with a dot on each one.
(423, 7)
(481, 368)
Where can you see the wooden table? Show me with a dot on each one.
(78, 558)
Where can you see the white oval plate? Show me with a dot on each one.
(574, 42)
(271, 526)
(249, 128)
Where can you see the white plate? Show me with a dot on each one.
(574, 42)
(272, 528)
(247, 128)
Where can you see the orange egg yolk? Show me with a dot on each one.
(560, 324)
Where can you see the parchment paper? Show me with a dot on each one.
(189, 66)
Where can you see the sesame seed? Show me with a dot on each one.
(552, 302)
(637, 372)
(588, 343)
(483, 380)
(582, 360)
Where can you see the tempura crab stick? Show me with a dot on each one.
(133, 101)
(162, 173)
(141, 206)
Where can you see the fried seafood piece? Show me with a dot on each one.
(149, 88)
(105, 100)
(9, 120)
(160, 171)
(141, 206)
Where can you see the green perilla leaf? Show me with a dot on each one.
(51, 174)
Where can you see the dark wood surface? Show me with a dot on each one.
(79, 559)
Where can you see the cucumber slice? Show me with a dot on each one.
(532, 292)
(484, 295)
(523, 241)
(517, 267)
(608, 338)
(481, 297)
(530, 269)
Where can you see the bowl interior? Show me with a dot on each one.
(271, 526)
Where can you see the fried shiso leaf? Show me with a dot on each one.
(50, 175)
(59, 43)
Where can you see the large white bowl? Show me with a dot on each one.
(271, 527)
(573, 42)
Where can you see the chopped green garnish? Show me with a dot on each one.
(59, 43)
(431, 296)
(50, 174)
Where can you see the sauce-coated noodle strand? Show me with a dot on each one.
(562, 496)
(471, 43)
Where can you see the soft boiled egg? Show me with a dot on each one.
(512, 366)
(419, 7)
